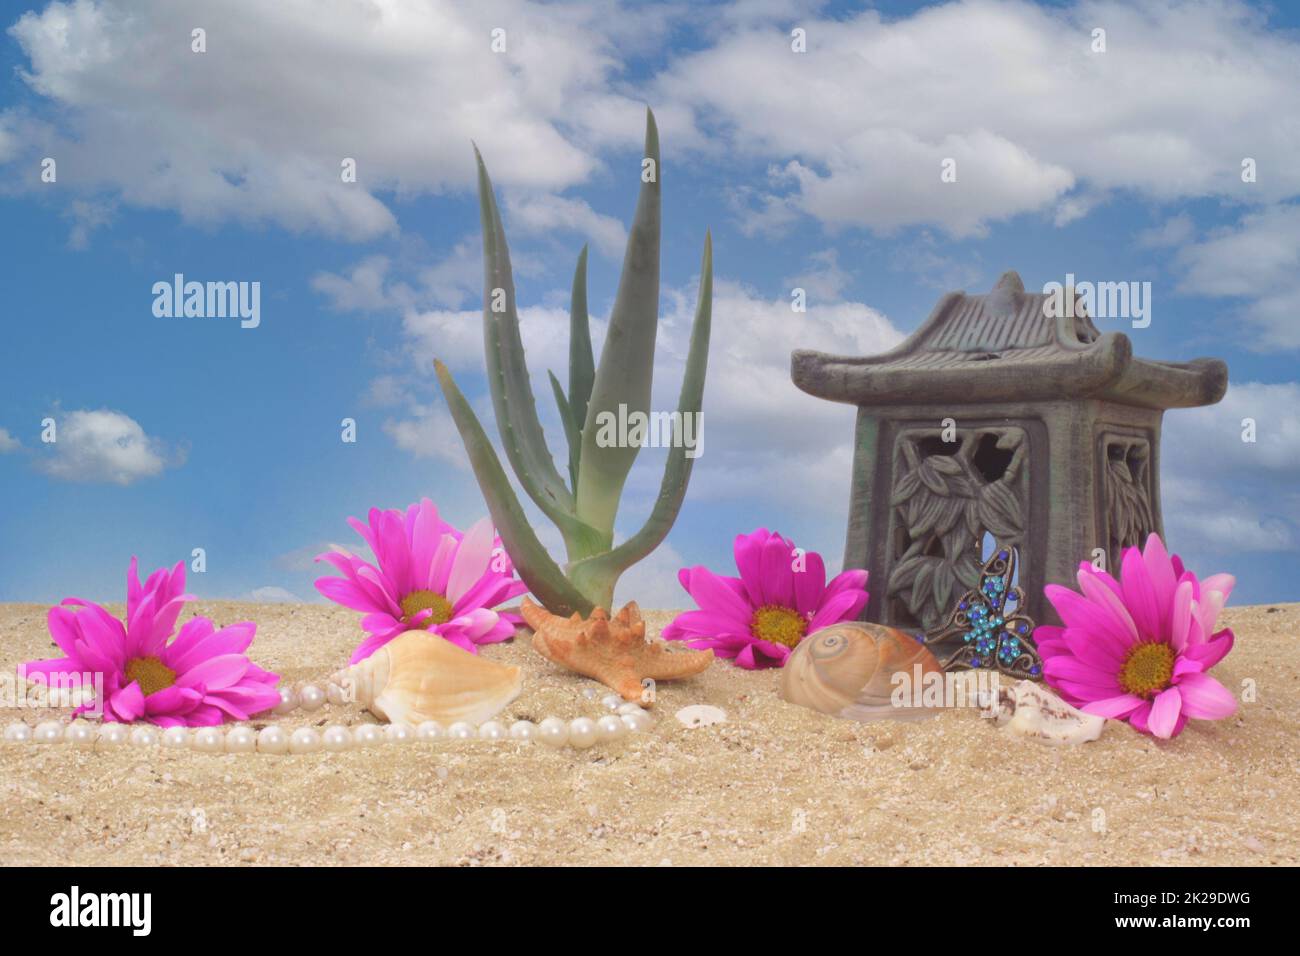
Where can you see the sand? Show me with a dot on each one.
(774, 784)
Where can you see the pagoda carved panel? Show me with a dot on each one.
(946, 497)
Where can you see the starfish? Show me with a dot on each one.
(613, 650)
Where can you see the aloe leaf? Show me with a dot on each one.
(596, 575)
(582, 367)
(542, 575)
(507, 370)
(571, 433)
(623, 376)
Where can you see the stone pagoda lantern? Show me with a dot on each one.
(1004, 416)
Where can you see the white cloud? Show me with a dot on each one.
(103, 446)
(400, 88)
(1258, 262)
(1035, 120)
(1174, 231)
(363, 289)
(428, 432)
(1219, 491)
(8, 442)
(545, 214)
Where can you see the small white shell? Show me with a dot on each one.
(1032, 711)
(418, 676)
(701, 715)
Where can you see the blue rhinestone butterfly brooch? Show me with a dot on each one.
(988, 627)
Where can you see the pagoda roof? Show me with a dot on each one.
(1004, 346)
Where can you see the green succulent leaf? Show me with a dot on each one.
(603, 570)
(535, 566)
(507, 370)
(623, 377)
(571, 433)
(582, 367)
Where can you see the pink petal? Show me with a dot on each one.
(1205, 698)
(1164, 712)
(128, 703)
(220, 671)
(1111, 612)
(809, 584)
(842, 607)
(777, 574)
(1212, 651)
(472, 559)
(748, 552)
(1140, 596)
(1115, 708)
(1161, 573)
(1180, 619)
(1073, 669)
(712, 593)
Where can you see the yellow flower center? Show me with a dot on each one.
(418, 601)
(778, 624)
(1147, 670)
(151, 674)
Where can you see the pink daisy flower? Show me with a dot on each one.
(1138, 649)
(427, 576)
(780, 598)
(198, 679)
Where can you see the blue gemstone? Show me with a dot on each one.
(1034, 670)
(1002, 554)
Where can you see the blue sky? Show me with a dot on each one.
(817, 170)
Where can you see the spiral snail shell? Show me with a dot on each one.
(847, 670)
(419, 676)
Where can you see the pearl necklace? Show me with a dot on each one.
(580, 732)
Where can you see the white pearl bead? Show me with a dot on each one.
(553, 732)
(48, 732)
(336, 738)
(493, 730)
(610, 727)
(176, 737)
(304, 740)
(80, 734)
(638, 723)
(582, 732)
(288, 700)
(335, 694)
(273, 740)
(144, 736)
(430, 730)
(629, 708)
(241, 740)
(610, 701)
(311, 697)
(114, 735)
(209, 740)
(367, 735)
(524, 731)
(399, 733)
(18, 734)
(461, 731)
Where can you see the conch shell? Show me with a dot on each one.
(418, 676)
(1032, 711)
(847, 670)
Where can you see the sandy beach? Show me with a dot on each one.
(774, 784)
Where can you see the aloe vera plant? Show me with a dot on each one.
(584, 509)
